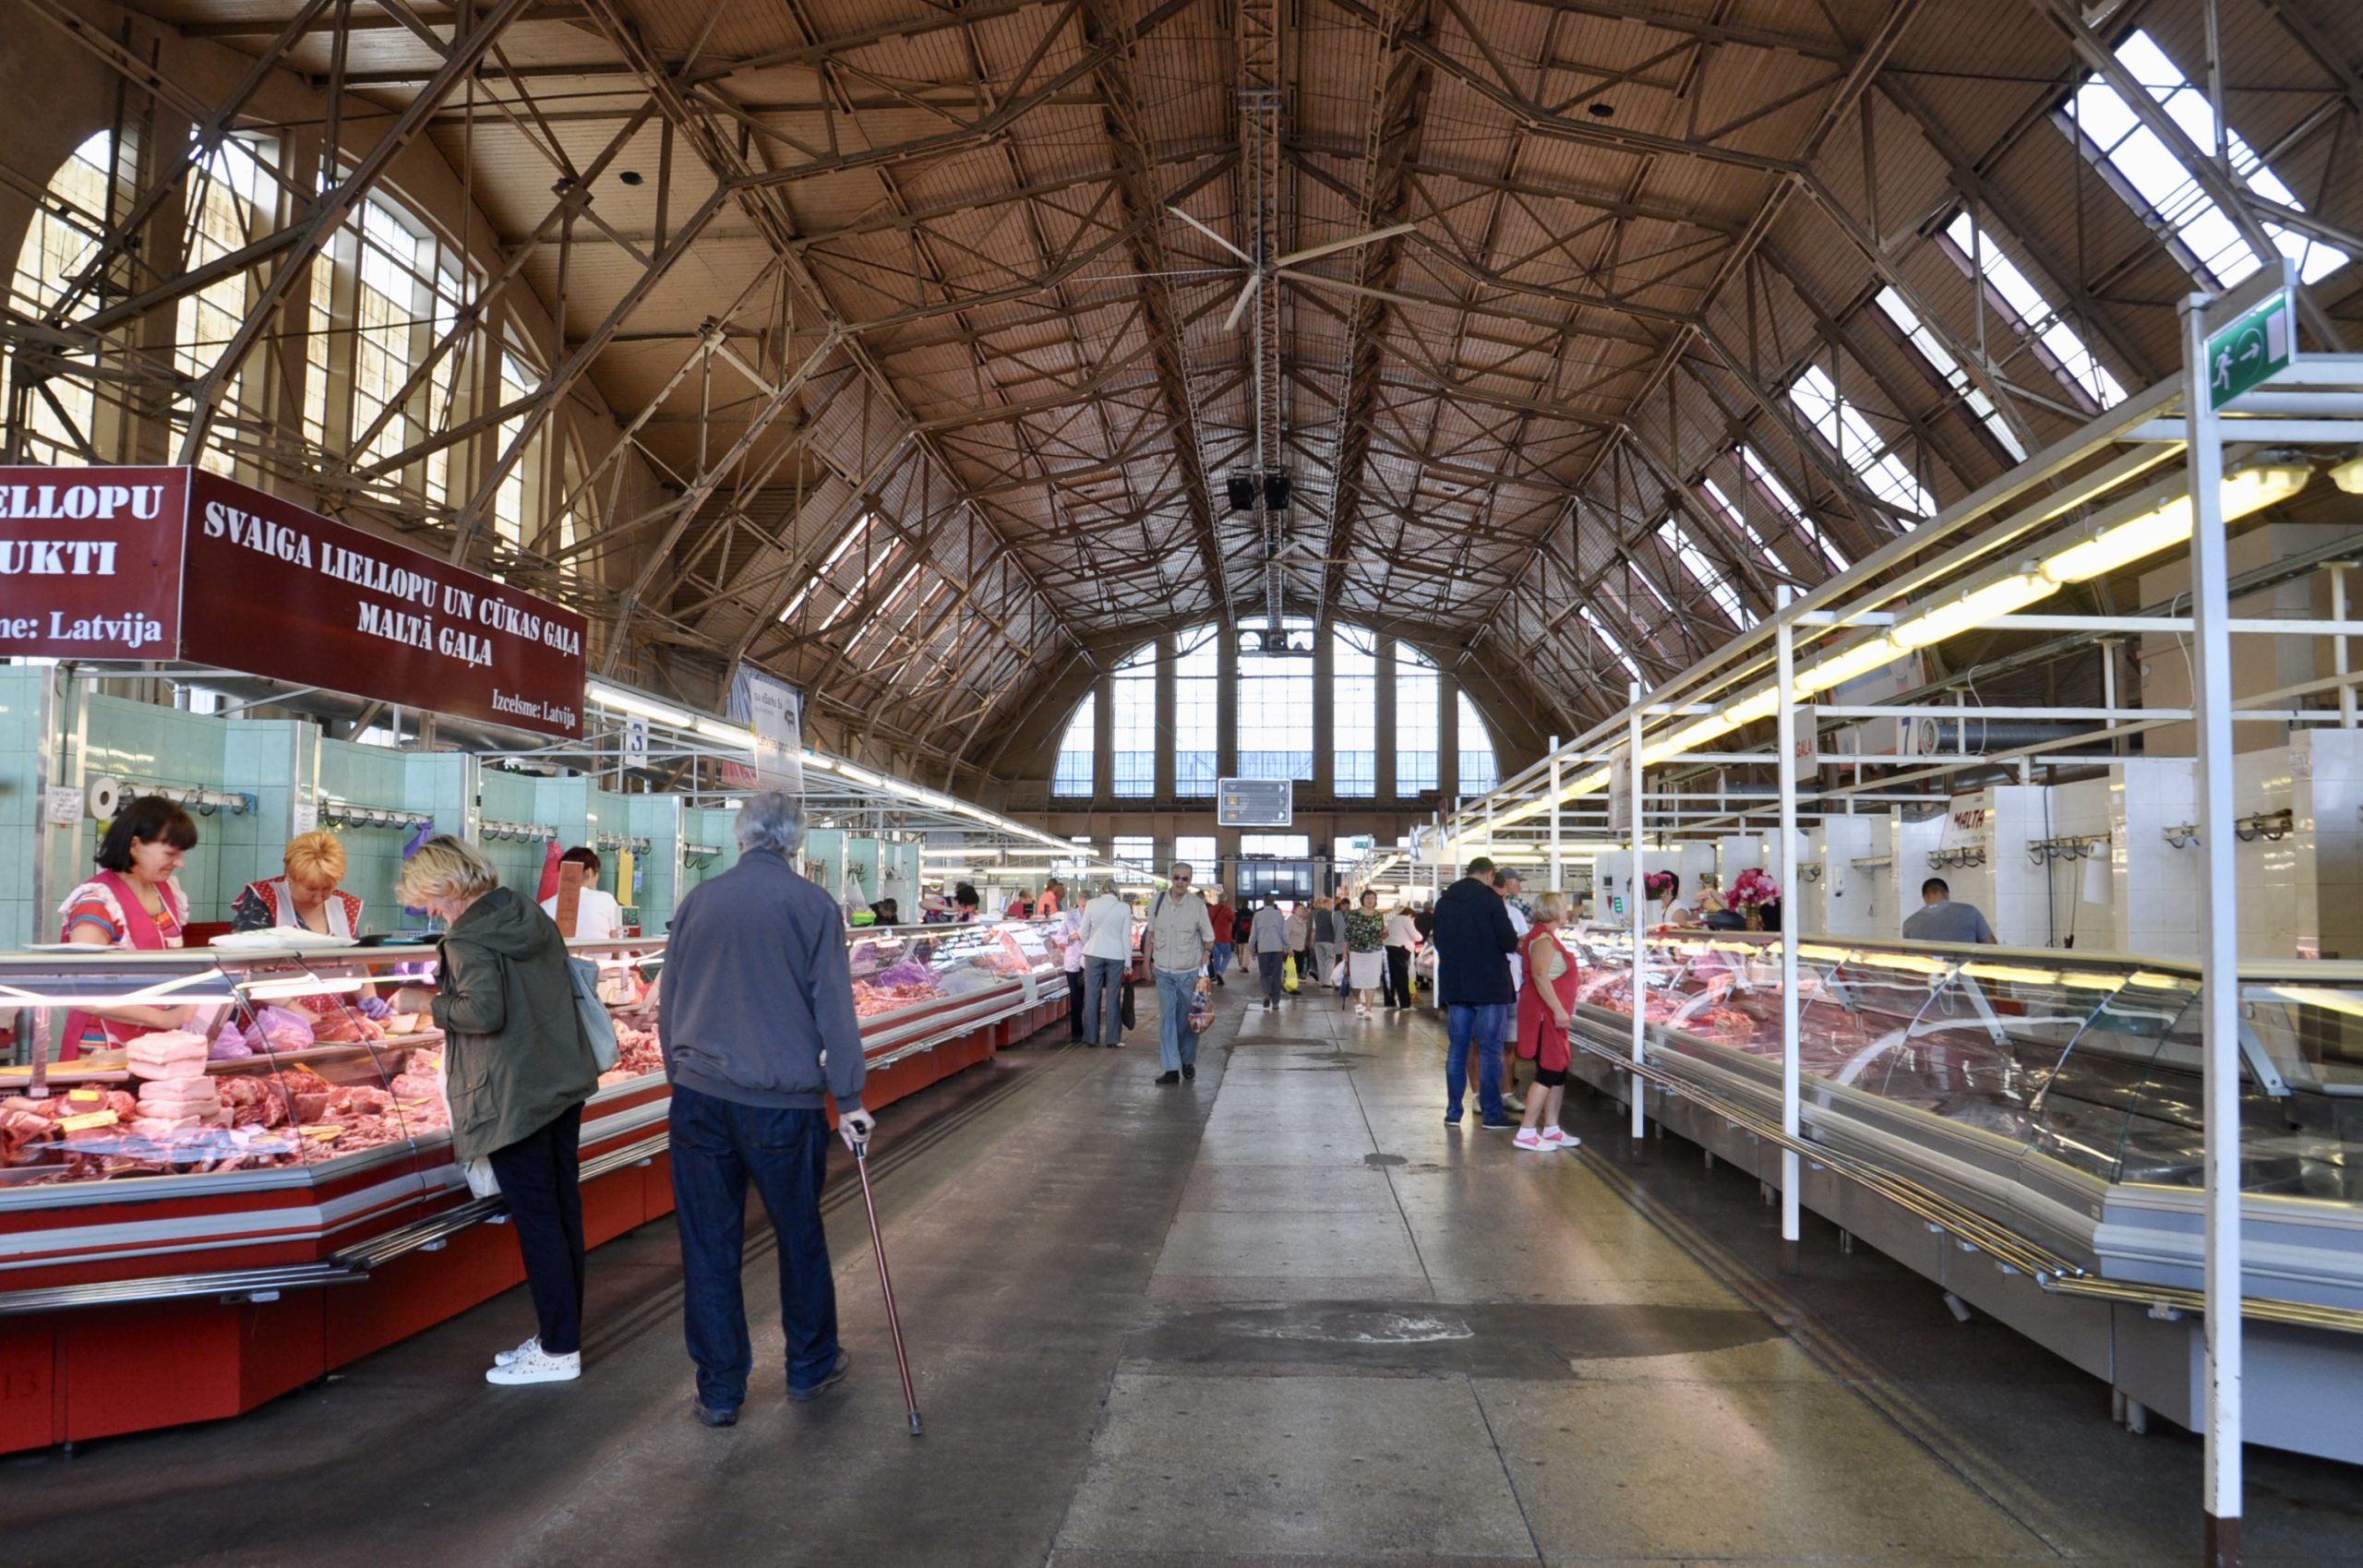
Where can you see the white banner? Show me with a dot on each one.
(774, 710)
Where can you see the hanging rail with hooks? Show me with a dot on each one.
(1965, 859)
(612, 842)
(2067, 847)
(344, 814)
(516, 832)
(204, 802)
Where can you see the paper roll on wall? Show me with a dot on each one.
(106, 796)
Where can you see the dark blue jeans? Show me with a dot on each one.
(1218, 959)
(718, 1146)
(1485, 1027)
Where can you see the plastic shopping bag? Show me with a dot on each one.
(1338, 974)
(1288, 979)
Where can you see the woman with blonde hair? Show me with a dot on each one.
(517, 1070)
(1546, 1008)
(304, 894)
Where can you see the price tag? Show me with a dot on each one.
(64, 807)
(83, 1123)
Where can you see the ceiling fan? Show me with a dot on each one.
(1281, 267)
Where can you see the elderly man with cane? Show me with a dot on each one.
(758, 1025)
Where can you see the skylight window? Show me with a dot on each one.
(1843, 426)
(1608, 640)
(836, 553)
(2008, 290)
(2169, 198)
(1768, 485)
(1733, 515)
(1915, 331)
(1703, 571)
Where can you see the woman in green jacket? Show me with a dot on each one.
(518, 1069)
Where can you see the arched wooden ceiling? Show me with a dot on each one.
(975, 270)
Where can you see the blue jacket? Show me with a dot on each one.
(756, 1004)
(1474, 940)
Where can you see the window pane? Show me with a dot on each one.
(1608, 640)
(2155, 181)
(1703, 571)
(2011, 293)
(1768, 486)
(1940, 360)
(1415, 721)
(1286, 846)
(1275, 712)
(1354, 713)
(1199, 851)
(1134, 733)
(1073, 774)
(59, 243)
(1849, 431)
(1196, 713)
(1478, 774)
(1137, 850)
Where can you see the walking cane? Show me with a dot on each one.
(886, 1284)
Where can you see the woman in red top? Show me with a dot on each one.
(133, 902)
(1546, 1004)
(1225, 920)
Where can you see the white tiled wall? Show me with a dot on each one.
(2326, 799)
(2266, 870)
(1853, 900)
(2156, 885)
(2081, 894)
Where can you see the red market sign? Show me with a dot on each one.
(157, 564)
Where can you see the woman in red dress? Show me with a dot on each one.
(1546, 1004)
(133, 902)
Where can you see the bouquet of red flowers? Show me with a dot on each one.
(1753, 889)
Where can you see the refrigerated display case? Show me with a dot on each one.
(2025, 1126)
(172, 1211)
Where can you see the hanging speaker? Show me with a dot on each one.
(1241, 487)
(1276, 492)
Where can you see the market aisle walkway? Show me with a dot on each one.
(1281, 1318)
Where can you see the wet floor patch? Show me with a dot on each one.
(1507, 1340)
(1376, 1160)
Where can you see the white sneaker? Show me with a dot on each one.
(1511, 1102)
(531, 1347)
(1529, 1139)
(1360, 1011)
(539, 1367)
(1559, 1139)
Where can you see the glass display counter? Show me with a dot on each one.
(2025, 1128)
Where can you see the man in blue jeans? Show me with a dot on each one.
(1474, 940)
(758, 1032)
(1178, 938)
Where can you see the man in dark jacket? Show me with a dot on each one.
(758, 1023)
(1474, 940)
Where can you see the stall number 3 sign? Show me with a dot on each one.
(2256, 347)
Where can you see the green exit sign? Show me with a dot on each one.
(2257, 346)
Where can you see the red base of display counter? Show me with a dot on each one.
(70, 1376)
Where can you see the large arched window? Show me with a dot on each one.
(1415, 725)
(1275, 712)
(55, 418)
(1476, 752)
(1197, 713)
(1353, 717)
(1277, 697)
(1132, 726)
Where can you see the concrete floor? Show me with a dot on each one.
(1280, 1316)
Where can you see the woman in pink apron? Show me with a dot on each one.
(133, 902)
(1546, 1005)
